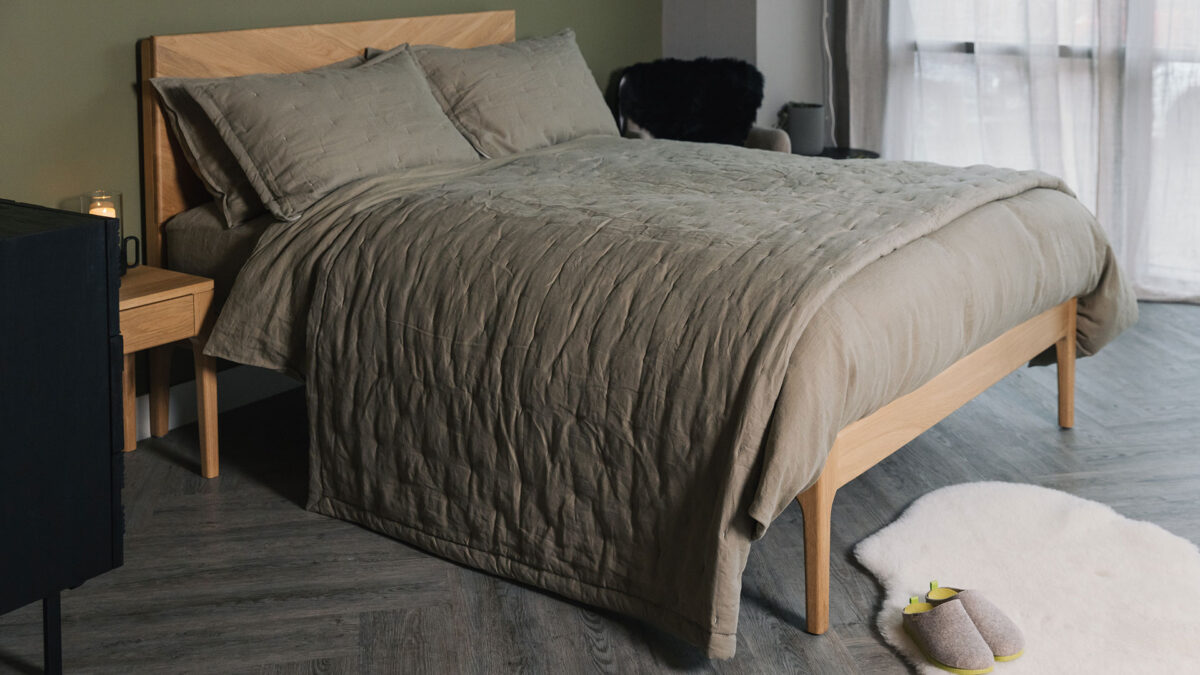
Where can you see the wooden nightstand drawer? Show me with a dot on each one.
(158, 323)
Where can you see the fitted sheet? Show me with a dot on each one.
(198, 242)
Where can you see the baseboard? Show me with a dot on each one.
(236, 387)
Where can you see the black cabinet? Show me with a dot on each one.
(61, 466)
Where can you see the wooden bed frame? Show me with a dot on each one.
(863, 444)
(170, 187)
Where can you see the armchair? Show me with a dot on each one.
(703, 100)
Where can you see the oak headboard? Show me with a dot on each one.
(169, 185)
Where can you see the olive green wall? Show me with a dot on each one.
(68, 106)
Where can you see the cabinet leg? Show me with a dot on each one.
(206, 403)
(52, 634)
(129, 403)
(160, 390)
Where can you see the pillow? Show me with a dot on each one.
(518, 96)
(299, 136)
(208, 155)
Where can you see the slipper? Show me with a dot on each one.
(1003, 637)
(947, 637)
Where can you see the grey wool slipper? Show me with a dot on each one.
(947, 637)
(1003, 637)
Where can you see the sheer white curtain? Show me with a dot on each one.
(1105, 93)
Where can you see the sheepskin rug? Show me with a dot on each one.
(1093, 591)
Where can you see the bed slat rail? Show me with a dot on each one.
(863, 444)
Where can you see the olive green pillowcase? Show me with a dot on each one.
(299, 136)
(207, 153)
(518, 96)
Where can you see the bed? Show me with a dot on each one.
(604, 366)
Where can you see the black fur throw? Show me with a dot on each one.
(705, 100)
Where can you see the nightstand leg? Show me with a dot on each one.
(206, 403)
(160, 390)
(129, 403)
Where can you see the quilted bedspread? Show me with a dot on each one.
(562, 366)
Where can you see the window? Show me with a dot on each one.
(1104, 93)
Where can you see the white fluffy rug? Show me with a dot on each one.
(1093, 591)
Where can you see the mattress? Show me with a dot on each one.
(199, 243)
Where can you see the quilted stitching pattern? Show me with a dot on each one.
(298, 136)
(518, 96)
(561, 366)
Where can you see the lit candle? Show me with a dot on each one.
(103, 203)
(102, 207)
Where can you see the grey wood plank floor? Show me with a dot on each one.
(233, 575)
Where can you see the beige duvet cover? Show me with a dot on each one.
(604, 367)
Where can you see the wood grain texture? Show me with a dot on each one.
(232, 575)
(203, 316)
(817, 505)
(1064, 351)
(169, 185)
(160, 307)
(128, 402)
(206, 385)
(160, 390)
(863, 444)
(158, 324)
(146, 285)
(206, 408)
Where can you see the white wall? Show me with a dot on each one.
(781, 37)
(714, 28)
(789, 54)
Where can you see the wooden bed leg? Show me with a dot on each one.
(817, 504)
(1064, 350)
(863, 444)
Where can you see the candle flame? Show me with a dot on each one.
(102, 207)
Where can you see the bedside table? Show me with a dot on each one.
(159, 307)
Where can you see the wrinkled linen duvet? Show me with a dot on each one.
(590, 367)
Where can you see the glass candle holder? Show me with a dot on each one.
(105, 203)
